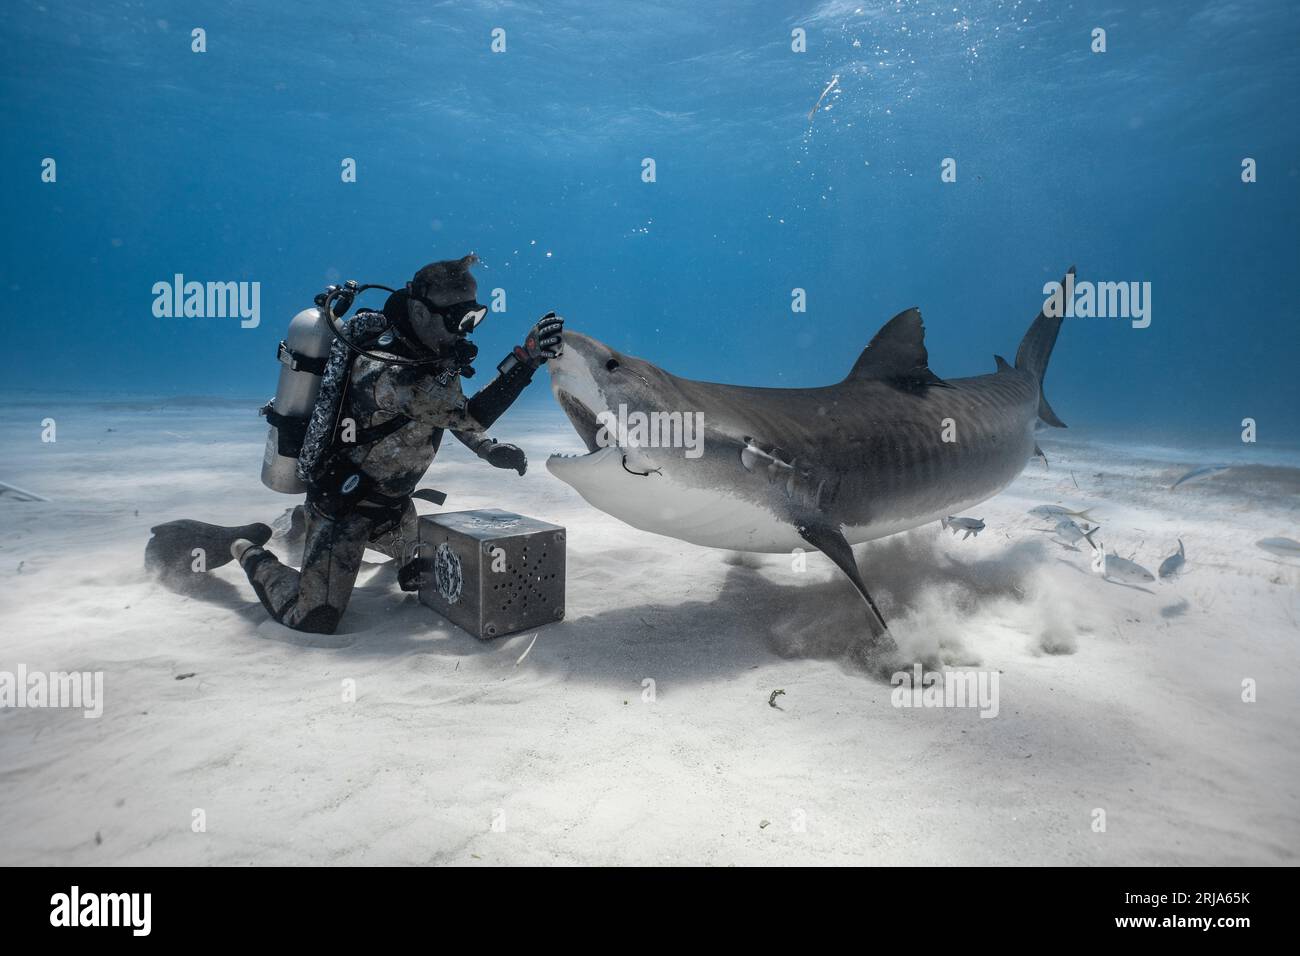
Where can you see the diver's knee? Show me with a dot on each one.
(320, 620)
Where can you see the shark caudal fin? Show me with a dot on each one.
(1035, 351)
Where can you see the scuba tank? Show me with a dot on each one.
(302, 356)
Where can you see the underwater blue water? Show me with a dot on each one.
(225, 166)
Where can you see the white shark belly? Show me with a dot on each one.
(705, 517)
(715, 520)
(714, 517)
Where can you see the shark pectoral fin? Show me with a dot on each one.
(830, 542)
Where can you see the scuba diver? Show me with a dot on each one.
(381, 394)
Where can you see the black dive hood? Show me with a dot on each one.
(397, 311)
(460, 352)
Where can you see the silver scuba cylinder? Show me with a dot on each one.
(302, 356)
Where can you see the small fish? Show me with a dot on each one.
(1123, 570)
(1203, 472)
(1283, 546)
(1071, 533)
(1056, 511)
(1174, 563)
(972, 526)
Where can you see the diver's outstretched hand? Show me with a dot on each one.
(501, 455)
(542, 342)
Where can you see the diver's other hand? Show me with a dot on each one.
(501, 455)
(542, 342)
(410, 576)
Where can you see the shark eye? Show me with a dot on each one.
(611, 365)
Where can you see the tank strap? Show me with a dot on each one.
(300, 362)
(372, 434)
(289, 430)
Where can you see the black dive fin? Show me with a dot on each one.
(897, 355)
(830, 542)
(1038, 453)
(171, 549)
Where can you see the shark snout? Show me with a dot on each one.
(572, 369)
(575, 382)
(579, 350)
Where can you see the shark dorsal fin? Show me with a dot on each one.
(897, 355)
(1003, 365)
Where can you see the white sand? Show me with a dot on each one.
(1111, 697)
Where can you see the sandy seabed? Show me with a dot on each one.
(1110, 698)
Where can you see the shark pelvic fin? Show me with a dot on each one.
(830, 542)
(897, 355)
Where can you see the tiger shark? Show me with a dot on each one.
(889, 448)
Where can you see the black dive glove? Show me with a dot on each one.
(410, 576)
(500, 455)
(542, 342)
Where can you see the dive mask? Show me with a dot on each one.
(465, 316)
(461, 318)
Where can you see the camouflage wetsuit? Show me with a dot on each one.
(360, 495)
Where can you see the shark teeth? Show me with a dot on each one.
(574, 456)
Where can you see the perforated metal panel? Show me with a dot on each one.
(493, 572)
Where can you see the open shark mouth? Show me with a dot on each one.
(583, 420)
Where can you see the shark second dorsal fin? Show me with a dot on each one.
(897, 355)
(1003, 365)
